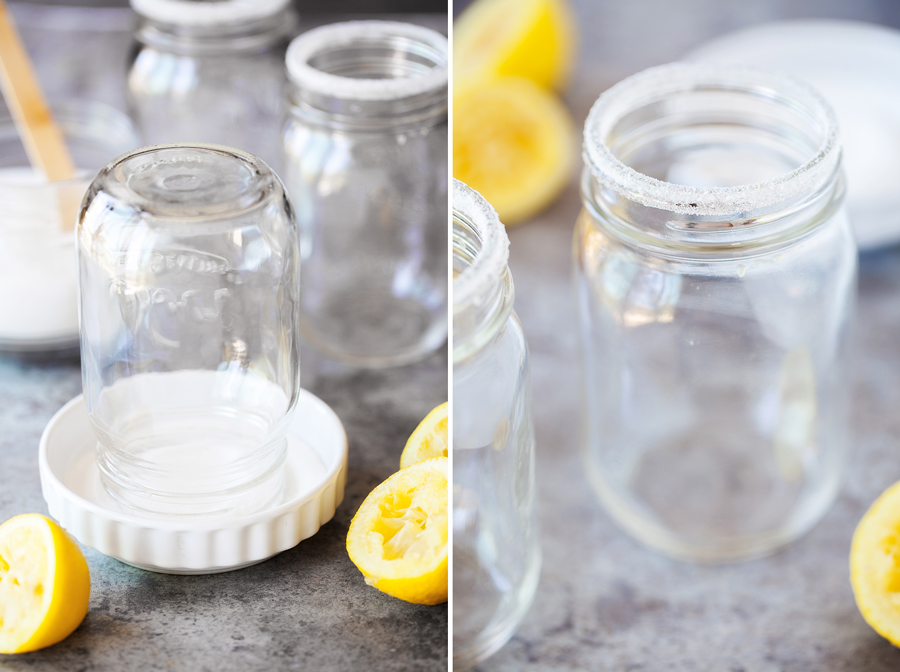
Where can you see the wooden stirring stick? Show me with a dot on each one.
(41, 136)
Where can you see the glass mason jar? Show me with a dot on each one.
(365, 160)
(38, 276)
(188, 275)
(210, 72)
(496, 555)
(715, 271)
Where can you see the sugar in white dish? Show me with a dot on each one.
(856, 67)
(38, 278)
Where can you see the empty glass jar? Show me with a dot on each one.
(188, 275)
(496, 556)
(715, 270)
(210, 72)
(365, 160)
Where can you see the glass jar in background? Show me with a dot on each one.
(189, 262)
(38, 270)
(365, 161)
(210, 72)
(496, 555)
(715, 270)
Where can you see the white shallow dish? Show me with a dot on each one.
(856, 67)
(314, 487)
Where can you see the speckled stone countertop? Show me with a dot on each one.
(305, 609)
(605, 602)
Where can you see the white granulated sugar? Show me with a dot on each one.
(38, 277)
(856, 67)
(198, 14)
(494, 242)
(306, 46)
(654, 85)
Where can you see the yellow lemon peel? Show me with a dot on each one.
(429, 439)
(398, 537)
(875, 565)
(535, 39)
(514, 143)
(44, 584)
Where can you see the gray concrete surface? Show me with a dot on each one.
(306, 609)
(604, 601)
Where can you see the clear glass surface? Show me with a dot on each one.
(38, 270)
(365, 160)
(188, 275)
(220, 84)
(714, 344)
(496, 556)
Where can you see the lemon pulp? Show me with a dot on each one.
(875, 565)
(398, 538)
(514, 143)
(535, 39)
(44, 584)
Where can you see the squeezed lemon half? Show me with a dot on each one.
(513, 139)
(514, 143)
(44, 584)
(875, 565)
(535, 39)
(398, 538)
(429, 439)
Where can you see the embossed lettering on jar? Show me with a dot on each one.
(715, 271)
(365, 160)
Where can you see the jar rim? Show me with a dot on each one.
(303, 48)
(198, 14)
(653, 85)
(494, 254)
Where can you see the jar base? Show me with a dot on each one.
(489, 639)
(720, 548)
(372, 330)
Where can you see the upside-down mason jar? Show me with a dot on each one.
(188, 275)
(38, 270)
(365, 160)
(496, 555)
(210, 71)
(715, 271)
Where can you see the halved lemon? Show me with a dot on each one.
(514, 143)
(535, 39)
(875, 565)
(44, 584)
(398, 538)
(429, 439)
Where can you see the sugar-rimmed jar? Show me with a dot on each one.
(365, 157)
(38, 276)
(210, 72)
(715, 271)
(188, 276)
(496, 554)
